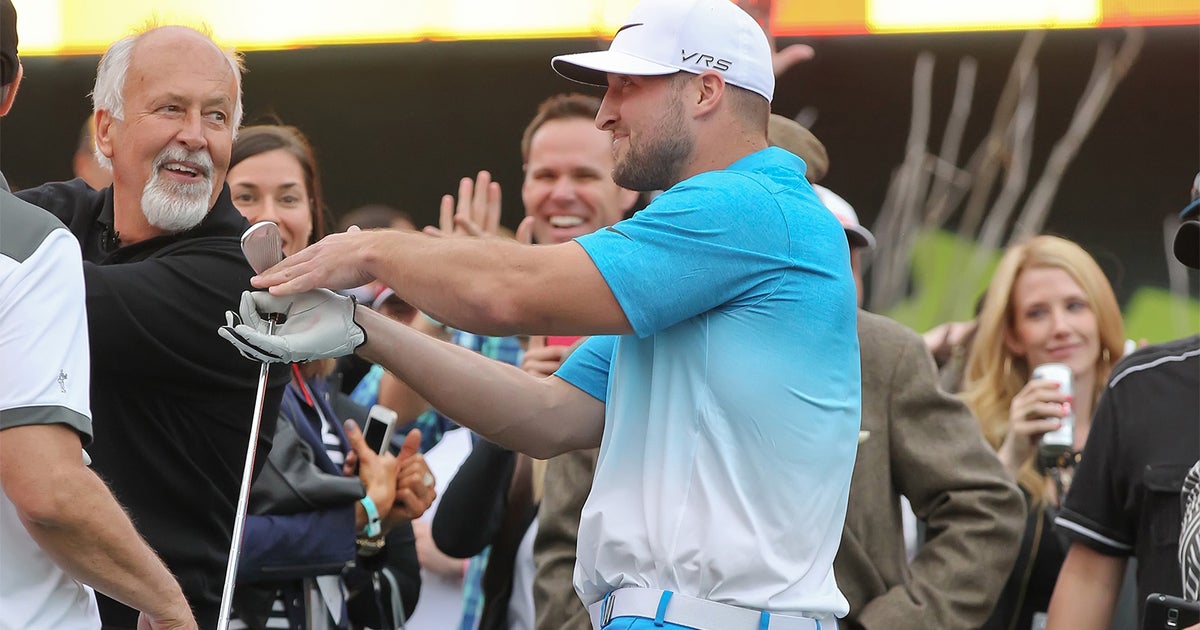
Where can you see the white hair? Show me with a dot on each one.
(109, 92)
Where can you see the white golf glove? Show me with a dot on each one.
(316, 324)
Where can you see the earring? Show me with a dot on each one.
(1008, 376)
(1104, 354)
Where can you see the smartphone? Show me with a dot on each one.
(1166, 612)
(378, 432)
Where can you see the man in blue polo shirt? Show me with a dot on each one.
(727, 410)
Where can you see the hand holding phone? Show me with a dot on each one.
(1166, 612)
(381, 422)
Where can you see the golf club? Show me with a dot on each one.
(263, 249)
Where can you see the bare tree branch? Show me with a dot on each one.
(889, 271)
(947, 176)
(1107, 73)
(988, 161)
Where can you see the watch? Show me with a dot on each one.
(368, 547)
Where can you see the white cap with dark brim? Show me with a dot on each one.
(667, 36)
(858, 235)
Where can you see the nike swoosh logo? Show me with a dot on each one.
(616, 231)
(628, 26)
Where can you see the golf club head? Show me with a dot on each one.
(262, 246)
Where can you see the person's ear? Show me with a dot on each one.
(10, 95)
(1015, 346)
(104, 120)
(711, 92)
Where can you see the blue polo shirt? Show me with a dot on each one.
(732, 413)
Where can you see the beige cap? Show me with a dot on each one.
(790, 135)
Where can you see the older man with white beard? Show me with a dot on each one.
(162, 262)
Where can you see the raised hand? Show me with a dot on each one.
(476, 213)
(377, 472)
(525, 231)
(541, 360)
(784, 59)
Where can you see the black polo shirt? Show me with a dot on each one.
(1125, 497)
(172, 402)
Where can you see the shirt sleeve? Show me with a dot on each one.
(155, 317)
(44, 345)
(587, 367)
(715, 240)
(1093, 512)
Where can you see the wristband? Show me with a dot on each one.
(372, 529)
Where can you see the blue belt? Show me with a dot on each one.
(665, 606)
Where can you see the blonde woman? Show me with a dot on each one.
(1048, 302)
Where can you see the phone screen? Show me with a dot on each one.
(378, 431)
(374, 434)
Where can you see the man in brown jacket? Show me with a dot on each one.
(916, 441)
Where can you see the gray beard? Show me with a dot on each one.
(173, 207)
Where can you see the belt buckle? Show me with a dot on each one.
(606, 609)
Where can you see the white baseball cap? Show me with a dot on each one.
(666, 36)
(858, 235)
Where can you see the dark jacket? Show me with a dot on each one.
(171, 403)
(314, 536)
(488, 502)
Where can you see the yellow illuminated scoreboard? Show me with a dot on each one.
(844, 17)
(58, 27)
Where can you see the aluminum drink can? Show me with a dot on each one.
(1062, 438)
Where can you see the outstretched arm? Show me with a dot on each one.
(539, 417)
(74, 518)
(489, 286)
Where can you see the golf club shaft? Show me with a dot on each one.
(239, 521)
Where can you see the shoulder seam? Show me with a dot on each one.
(1174, 358)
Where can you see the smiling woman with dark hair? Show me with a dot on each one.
(309, 523)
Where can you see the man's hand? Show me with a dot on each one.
(338, 261)
(377, 473)
(317, 324)
(784, 59)
(477, 212)
(541, 360)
